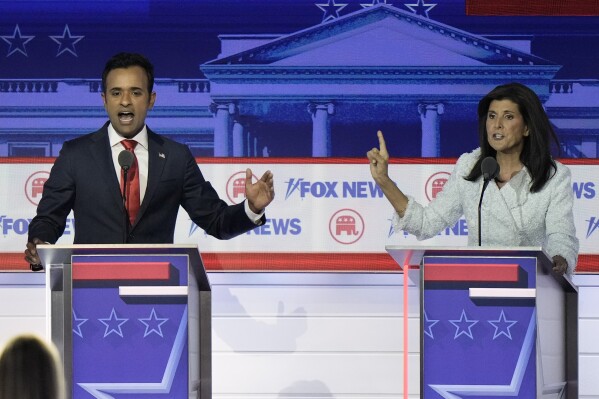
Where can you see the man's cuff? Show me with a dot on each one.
(254, 217)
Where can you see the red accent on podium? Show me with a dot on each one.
(472, 272)
(121, 271)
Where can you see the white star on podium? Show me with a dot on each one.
(113, 324)
(502, 326)
(99, 390)
(463, 326)
(155, 322)
(511, 389)
(79, 322)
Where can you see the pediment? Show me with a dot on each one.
(385, 43)
(380, 36)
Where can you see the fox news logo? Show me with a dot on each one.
(584, 190)
(20, 226)
(271, 227)
(460, 229)
(332, 189)
(34, 186)
(346, 226)
(593, 223)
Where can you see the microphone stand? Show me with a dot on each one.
(480, 202)
(490, 170)
(126, 221)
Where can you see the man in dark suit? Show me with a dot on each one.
(87, 177)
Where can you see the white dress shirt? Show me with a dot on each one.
(141, 153)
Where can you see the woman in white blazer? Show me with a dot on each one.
(528, 203)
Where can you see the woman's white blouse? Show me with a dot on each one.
(511, 216)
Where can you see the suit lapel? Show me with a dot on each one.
(101, 153)
(157, 156)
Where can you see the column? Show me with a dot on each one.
(222, 127)
(321, 128)
(238, 142)
(248, 144)
(429, 117)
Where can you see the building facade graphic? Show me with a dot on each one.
(322, 91)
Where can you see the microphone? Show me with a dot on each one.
(126, 159)
(490, 170)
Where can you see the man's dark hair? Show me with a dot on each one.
(126, 60)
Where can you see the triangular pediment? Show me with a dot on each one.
(384, 43)
(380, 36)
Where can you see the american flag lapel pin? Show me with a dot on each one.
(161, 155)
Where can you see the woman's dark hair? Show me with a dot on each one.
(536, 152)
(30, 368)
(126, 60)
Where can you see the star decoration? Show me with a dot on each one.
(17, 42)
(66, 42)
(153, 324)
(113, 324)
(463, 326)
(421, 8)
(428, 325)
(502, 326)
(331, 9)
(78, 322)
(374, 2)
(512, 389)
(105, 390)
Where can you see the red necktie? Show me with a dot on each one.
(132, 189)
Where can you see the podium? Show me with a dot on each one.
(130, 320)
(494, 322)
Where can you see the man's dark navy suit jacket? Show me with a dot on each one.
(83, 179)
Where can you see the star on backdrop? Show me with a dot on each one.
(113, 324)
(153, 324)
(66, 42)
(421, 8)
(463, 326)
(502, 326)
(330, 9)
(17, 42)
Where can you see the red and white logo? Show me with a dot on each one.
(34, 186)
(236, 187)
(346, 226)
(435, 184)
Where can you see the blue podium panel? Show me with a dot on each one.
(130, 321)
(479, 327)
(129, 326)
